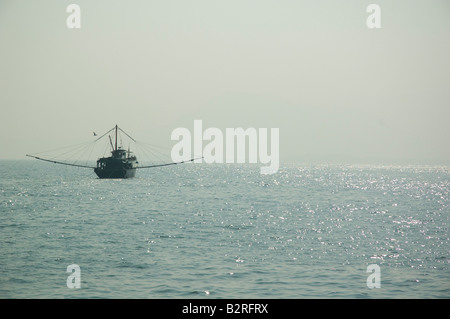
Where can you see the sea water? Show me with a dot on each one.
(225, 231)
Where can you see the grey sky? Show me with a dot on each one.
(338, 91)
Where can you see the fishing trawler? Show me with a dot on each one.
(121, 164)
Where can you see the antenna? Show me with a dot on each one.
(110, 141)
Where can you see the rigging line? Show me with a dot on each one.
(139, 151)
(153, 145)
(105, 134)
(106, 148)
(155, 152)
(90, 154)
(76, 150)
(156, 155)
(58, 162)
(152, 155)
(90, 149)
(64, 147)
(76, 157)
(145, 152)
(64, 156)
(82, 154)
(126, 134)
(150, 148)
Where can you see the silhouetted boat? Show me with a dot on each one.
(121, 164)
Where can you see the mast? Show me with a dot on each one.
(116, 138)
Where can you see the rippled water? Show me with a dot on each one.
(224, 231)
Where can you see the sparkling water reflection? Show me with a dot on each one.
(225, 231)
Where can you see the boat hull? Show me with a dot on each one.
(116, 166)
(115, 173)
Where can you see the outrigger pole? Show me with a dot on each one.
(85, 166)
(58, 162)
(174, 163)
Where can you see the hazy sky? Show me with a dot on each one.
(337, 90)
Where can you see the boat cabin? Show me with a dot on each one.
(119, 153)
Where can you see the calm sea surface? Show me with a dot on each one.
(225, 231)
